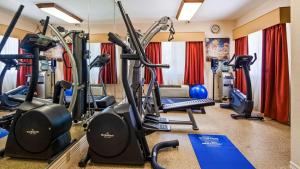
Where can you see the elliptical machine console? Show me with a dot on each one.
(240, 103)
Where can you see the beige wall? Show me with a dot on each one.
(295, 91)
(23, 22)
(265, 7)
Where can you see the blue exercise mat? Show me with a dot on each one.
(217, 152)
(3, 133)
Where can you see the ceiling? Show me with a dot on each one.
(102, 11)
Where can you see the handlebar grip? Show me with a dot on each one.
(154, 65)
(115, 39)
(163, 65)
(253, 60)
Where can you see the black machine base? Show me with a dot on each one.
(104, 140)
(38, 131)
(240, 116)
(225, 106)
(61, 143)
(153, 158)
(113, 140)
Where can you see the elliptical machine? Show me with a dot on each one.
(38, 130)
(117, 135)
(240, 103)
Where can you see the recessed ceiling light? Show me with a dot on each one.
(59, 12)
(187, 9)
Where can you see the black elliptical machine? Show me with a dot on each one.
(38, 130)
(240, 103)
(117, 135)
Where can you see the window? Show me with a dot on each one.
(95, 49)
(11, 47)
(173, 53)
(255, 46)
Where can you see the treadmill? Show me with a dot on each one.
(6, 103)
(101, 101)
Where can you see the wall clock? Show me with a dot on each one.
(215, 29)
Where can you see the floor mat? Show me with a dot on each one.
(3, 133)
(217, 152)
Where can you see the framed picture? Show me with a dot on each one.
(217, 47)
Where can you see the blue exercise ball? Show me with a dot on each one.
(69, 92)
(198, 92)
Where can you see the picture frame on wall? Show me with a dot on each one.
(217, 47)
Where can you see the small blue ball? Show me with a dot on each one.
(198, 92)
(69, 92)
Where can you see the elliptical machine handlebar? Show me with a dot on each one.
(115, 39)
(112, 37)
(229, 62)
(254, 59)
(45, 25)
(11, 27)
(147, 64)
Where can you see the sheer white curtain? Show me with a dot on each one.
(255, 46)
(95, 50)
(173, 53)
(11, 47)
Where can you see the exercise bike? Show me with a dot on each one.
(242, 104)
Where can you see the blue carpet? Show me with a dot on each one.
(217, 152)
(3, 133)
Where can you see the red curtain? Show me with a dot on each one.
(109, 73)
(275, 86)
(153, 52)
(194, 63)
(241, 48)
(67, 65)
(23, 70)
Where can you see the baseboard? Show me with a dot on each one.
(72, 156)
(294, 165)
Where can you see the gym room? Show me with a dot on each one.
(176, 84)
